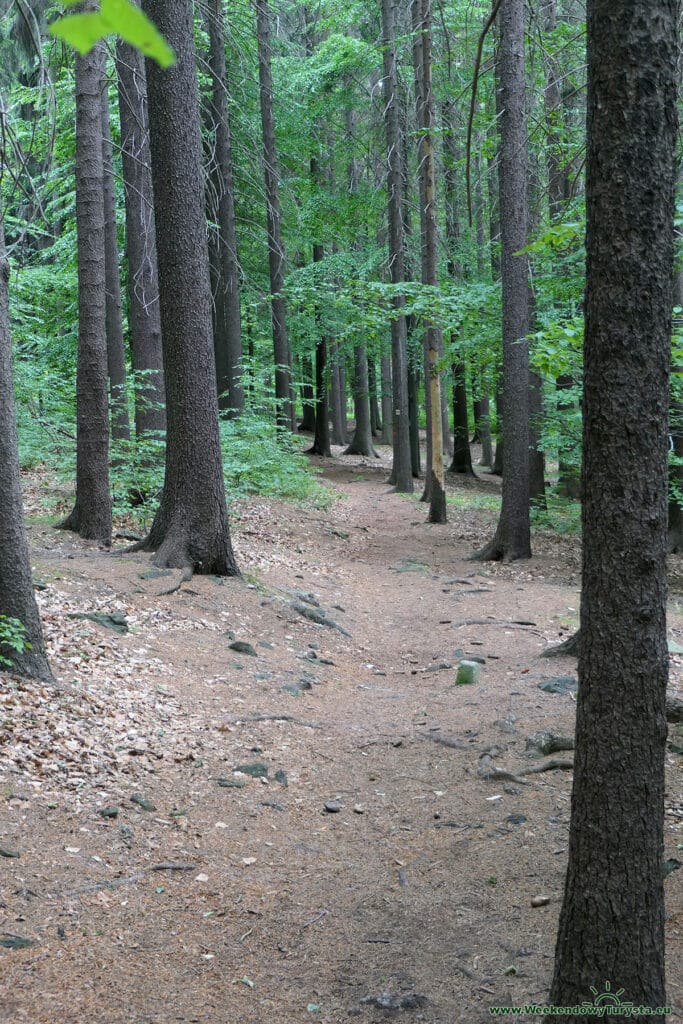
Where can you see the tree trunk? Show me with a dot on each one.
(190, 529)
(482, 420)
(612, 920)
(414, 420)
(17, 600)
(373, 398)
(321, 438)
(513, 536)
(276, 249)
(386, 400)
(338, 397)
(462, 458)
(141, 246)
(361, 443)
(226, 309)
(91, 515)
(432, 336)
(307, 424)
(116, 352)
(403, 460)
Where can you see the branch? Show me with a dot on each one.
(473, 99)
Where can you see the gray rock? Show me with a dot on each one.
(559, 684)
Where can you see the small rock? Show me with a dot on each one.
(546, 742)
(142, 802)
(16, 942)
(4, 852)
(560, 684)
(257, 770)
(358, 809)
(281, 777)
(512, 790)
(515, 819)
(230, 783)
(242, 647)
(108, 812)
(332, 807)
(468, 673)
(540, 901)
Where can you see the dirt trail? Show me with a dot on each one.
(375, 871)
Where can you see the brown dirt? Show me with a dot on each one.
(253, 904)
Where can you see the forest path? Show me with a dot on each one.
(375, 866)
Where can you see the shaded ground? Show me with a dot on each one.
(221, 897)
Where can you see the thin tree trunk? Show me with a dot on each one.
(116, 352)
(512, 539)
(338, 397)
(226, 308)
(321, 438)
(276, 249)
(307, 424)
(373, 398)
(462, 457)
(190, 529)
(432, 336)
(91, 514)
(386, 400)
(402, 471)
(612, 919)
(483, 423)
(143, 283)
(17, 600)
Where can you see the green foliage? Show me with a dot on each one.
(115, 17)
(12, 638)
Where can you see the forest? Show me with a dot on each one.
(341, 510)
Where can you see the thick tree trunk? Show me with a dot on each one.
(91, 515)
(227, 326)
(116, 352)
(612, 919)
(17, 600)
(433, 339)
(141, 246)
(276, 249)
(402, 471)
(361, 443)
(414, 420)
(190, 529)
(513, 537)
(462, 457)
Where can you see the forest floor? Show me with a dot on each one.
(326, 829)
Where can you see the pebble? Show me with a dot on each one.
(540, 901)
(332, 807)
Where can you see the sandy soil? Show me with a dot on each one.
(386, 862)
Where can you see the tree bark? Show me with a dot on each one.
(143, 282)
(361, 443)
(91, 514)
(321, 430)
(513, 536)
(190, 529)
(433, 339)
(385, 377)
(462, 457)
(17, 600)
(276, 249)
(612, 919)
(402, 470)
(116, 351)
(338, 396)
(226, 271)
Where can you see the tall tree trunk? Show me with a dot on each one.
(321, 438)
(91, 515)
(612, 919)
(386, 400)
(675, 531)
(373, 398)
(361, 443)
(307, 396)
(536, 404)
(402, 474)
(227, 327)
(432, 336)
(462, 458)
(276, 249)
(190, 529)
(337, 396)
(414, 416)
(116, 352)
(17, 600)
(513, 535)
(143, 282)
(482, 419)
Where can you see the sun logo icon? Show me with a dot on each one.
(607, 997)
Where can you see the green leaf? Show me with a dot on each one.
(115, 17)
(134, 27)
(82, 31)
